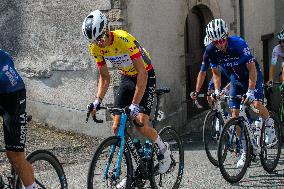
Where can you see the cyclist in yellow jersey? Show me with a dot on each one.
(119, 49)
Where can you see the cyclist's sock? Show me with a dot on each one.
(160, 145)
(33, 186)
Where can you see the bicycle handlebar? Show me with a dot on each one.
(125, 110)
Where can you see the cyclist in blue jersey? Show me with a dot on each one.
(233, 54)
(202, 74)
(13, 111)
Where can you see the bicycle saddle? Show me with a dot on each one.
(160, 91)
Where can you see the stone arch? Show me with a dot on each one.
(199, 14)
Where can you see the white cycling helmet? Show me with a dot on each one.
(94, 25)
(280, 35)
(206, 41)
(216, 29)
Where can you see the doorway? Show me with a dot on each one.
(195, 25)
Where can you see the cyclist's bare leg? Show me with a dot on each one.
(263, 112)
(146, 130)
(209, 99)
(22, 166)
(235, 114)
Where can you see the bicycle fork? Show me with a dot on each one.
(123, 120)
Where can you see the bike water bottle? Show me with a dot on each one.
(138, 147)
(147, 150)
(258, 126)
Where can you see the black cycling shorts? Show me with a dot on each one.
(126, 91)
(13, 111)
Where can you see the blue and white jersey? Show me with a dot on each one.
(206, 65)
(234, 61)
(10, 80)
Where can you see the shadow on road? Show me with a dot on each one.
(255, 177)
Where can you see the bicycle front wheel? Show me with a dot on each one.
(104, 166)
(172, 178)
(211, 134)
(48, 171)
(233, 154)
(270, 152)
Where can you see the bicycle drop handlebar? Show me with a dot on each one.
(224, 97)
(112, 110)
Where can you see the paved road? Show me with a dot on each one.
(199, 172)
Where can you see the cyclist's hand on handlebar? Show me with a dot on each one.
(249, 96)
(194, 95)
(225, 91)
(134, 110)
(270, 83)
(94, 107)
(216, 94)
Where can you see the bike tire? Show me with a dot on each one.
(221, 160)
(113, 140)
(281, 111)
(41, 157)
(207, 124)
(281, 117)
(269, 167)
(168, 134)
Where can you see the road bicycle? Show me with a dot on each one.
(48, 171)
(112, 162)
(242, 138)
(213, 124)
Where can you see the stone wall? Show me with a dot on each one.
(46, 41)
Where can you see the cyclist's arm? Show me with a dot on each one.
(104, 81)
(216, 78)
(274, 59)
(271, 72)
(200, 80)
(202, 73)
(252, 74)
(142, 78)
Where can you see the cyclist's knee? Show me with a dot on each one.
(16, 158)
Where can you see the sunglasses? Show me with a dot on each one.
(221, 41)
(281, 41)
(100, 37)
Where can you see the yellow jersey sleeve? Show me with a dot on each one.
(97, 56)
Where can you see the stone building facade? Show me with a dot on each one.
(46, 41)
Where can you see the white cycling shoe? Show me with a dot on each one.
(269, 134)
(242, 160)
(165, 162)
(122, 184)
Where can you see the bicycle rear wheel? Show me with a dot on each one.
(48, 171)
(230, 148)
(270, 153)
(108, 151)
(211, 134)
(172, 178)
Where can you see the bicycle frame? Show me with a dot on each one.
(218, 107)
(248, 125)
(121, 132)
